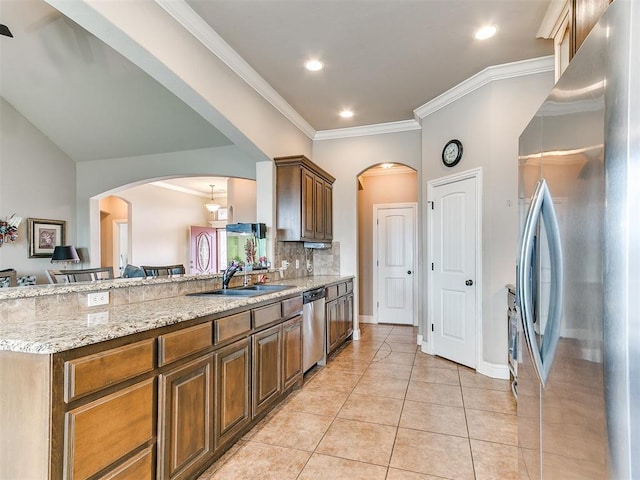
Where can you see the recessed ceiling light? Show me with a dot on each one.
(313, 65)
(386, 165)
(486, 32)
(346, 114)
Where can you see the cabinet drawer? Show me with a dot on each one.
(103, 431)
(342, 289)
(182, 343)
(94, 372)
(291, 306)
(232, 326)
(332, 292)
(265, 315)
(138, 467)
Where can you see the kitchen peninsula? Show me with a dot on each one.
(157, 384)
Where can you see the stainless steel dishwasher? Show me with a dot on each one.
(313, 328)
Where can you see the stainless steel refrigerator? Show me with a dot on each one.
(578, 267)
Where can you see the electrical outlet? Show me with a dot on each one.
(285, 264)
(97, 298)
(297, 264)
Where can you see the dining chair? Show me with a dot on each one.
(164, 270)
(81, 275)
(8, 278)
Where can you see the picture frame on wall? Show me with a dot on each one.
(44, 235)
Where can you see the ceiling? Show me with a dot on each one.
(383, 59)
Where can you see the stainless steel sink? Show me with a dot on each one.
(250, 291)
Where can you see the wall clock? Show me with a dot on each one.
(452, 153)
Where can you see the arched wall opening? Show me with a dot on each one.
(158, 215)
(377, 185)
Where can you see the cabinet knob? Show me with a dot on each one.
(468, 283)
(409, 272)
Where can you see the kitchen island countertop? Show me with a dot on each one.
(29, 331)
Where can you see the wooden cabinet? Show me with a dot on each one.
(339, 314)
(584, 15)
(158, 404)
(185, 418)
(233, 394)
(267, 368)
(100, 433)
(331, 318)
(304, 199)
(292, 351)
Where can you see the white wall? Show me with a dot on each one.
(347, 158)
(37, 180)
(488, 122)
(147, 35)
(241, 200)
(160, 221)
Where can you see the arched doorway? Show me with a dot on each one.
(383, 184)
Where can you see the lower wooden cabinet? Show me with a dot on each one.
(106, 430)
(185, 418)
(332, 325)
(138, 467)
(292, 351)
(339, 315)
(267, 369)
(233, 397)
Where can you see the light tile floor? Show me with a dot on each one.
(381, 409)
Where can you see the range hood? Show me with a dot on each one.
(318, 245)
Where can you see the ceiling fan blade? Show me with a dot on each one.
(4, 30)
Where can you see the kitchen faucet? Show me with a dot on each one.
(228, 273)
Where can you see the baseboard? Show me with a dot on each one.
(493, 370)
(367, 319)
(420, 339)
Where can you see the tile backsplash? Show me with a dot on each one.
(324, 262)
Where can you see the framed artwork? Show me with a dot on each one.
(223, 214)
(44, 236)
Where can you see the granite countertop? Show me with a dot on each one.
(24, 331)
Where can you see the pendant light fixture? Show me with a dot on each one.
(212, 206)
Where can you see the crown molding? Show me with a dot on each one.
(553, 19)
(195, 25)
(486, 76)
(361, 131)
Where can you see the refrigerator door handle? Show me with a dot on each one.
(541, 206)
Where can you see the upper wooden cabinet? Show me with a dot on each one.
(568, 23)
(304, 199)
(584, 15)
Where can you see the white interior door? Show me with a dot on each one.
(120, 246)
(454, 232)
(395, 243)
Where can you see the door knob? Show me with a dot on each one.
(468, 283)
(409, 272)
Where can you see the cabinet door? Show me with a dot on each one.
(342, 318)
(308, 204)
(102, 432)
(232, 390)
(348, 315)
(185, 418)
(319, 208)
(267, 368)
(328, 211)
(292, 351)
(333, 334)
